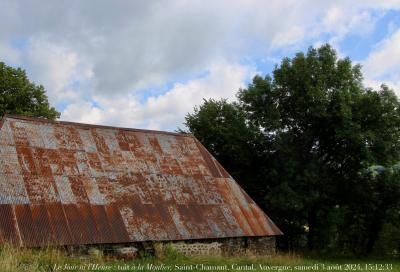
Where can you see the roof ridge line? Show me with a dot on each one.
(85, 125)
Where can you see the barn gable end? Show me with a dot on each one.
(65, 183)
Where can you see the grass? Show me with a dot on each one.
(13, 259)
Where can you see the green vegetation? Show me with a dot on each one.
(12, 260)
(20, 96)
(317, 150)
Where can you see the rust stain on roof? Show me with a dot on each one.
(65, 183)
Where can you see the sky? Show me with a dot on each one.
(146, 64)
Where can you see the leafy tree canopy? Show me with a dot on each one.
(20, 96)
(300, 142)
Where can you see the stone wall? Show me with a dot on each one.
(190, 249)
(221, 247)
(237, 246)
(262, 245)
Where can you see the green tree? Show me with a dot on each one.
(314, 130)
(376, 202)
(222, 128)
(20, 96)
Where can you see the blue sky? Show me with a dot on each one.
(146, 64)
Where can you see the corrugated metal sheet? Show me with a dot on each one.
(64, 183)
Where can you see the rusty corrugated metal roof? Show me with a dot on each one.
(65, 183)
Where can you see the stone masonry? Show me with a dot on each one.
(222, 247)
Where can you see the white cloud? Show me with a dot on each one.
(340, 20)
(165, 111)
(52, 64)
(376, 84)
(10, 55)
(383, 64)
(83, 112)
(131, 44)
(289, 37)
(385, 59)
(108, 51)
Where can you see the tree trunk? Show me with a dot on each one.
(312, 221)
(373, 232)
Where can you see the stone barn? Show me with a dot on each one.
(70, 184)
